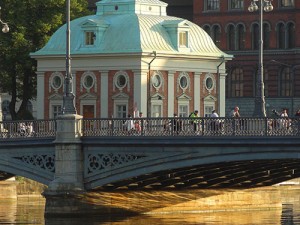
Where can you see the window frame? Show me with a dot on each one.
(239, 3)
(237, 82)
(56, 110)
(286, 82)
(289, 4)
(89, 38)
(212, 5)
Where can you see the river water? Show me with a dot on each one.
(30, 210)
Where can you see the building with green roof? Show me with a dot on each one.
(131, 56)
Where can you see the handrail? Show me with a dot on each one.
(27, 129)
(185, 126)
(156, 127)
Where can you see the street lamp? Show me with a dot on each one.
(5, 28)
(260, 108)
(68, 99)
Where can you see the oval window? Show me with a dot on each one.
(121, 81)
(56, 82)
(88, 81)
(156, 80)
(183, 82)
(209, 83)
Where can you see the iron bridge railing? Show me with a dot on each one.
(171, 126)
(179, 126)
(28, 129)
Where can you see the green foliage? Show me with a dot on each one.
(31, 23)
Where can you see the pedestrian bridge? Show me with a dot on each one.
(154, 153)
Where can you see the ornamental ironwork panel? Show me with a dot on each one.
(96, 162)
(45, 162)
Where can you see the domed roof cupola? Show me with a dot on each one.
(145, 7)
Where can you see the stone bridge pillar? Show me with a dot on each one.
(67, 186)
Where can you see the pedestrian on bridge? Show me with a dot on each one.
(129, 124)
(194, 120)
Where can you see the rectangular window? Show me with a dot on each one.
(287, 3)
(183, 110)
(236, 4)
(183, 39)
(207, 110)
(121, 111)
(89, 38)
(237, 83)
(212, 5)
(56, 110)
(156, 110)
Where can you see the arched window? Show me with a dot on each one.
(207, 29)
(291, 35)
(286, 82)
(266, 36)
(281, 36)
(216, 35)
(240, 37)
(236, 83)
(29, 106)
(255, 36)
(266, 82)
(231, 37)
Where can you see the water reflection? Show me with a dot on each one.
(224, 218)
(30, 210)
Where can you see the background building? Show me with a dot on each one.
(236, 31)
(131, 56)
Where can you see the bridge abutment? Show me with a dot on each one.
(66, 188)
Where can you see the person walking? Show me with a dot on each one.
(215, 123)
(129, 124)
(177, 124)
(284, 122)
(194, 120)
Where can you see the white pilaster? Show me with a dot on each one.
(197, 91)
(222, 93)
(104, 94)
(40, 100)
(140, 90)
(171, 87)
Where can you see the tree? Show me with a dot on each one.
(31, 23)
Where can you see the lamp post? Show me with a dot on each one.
(260, 107)
(68, 99)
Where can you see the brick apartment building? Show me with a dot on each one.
(236, 31)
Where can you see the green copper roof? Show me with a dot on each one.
(128, 32)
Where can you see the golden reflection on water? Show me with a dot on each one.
(30, 210)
